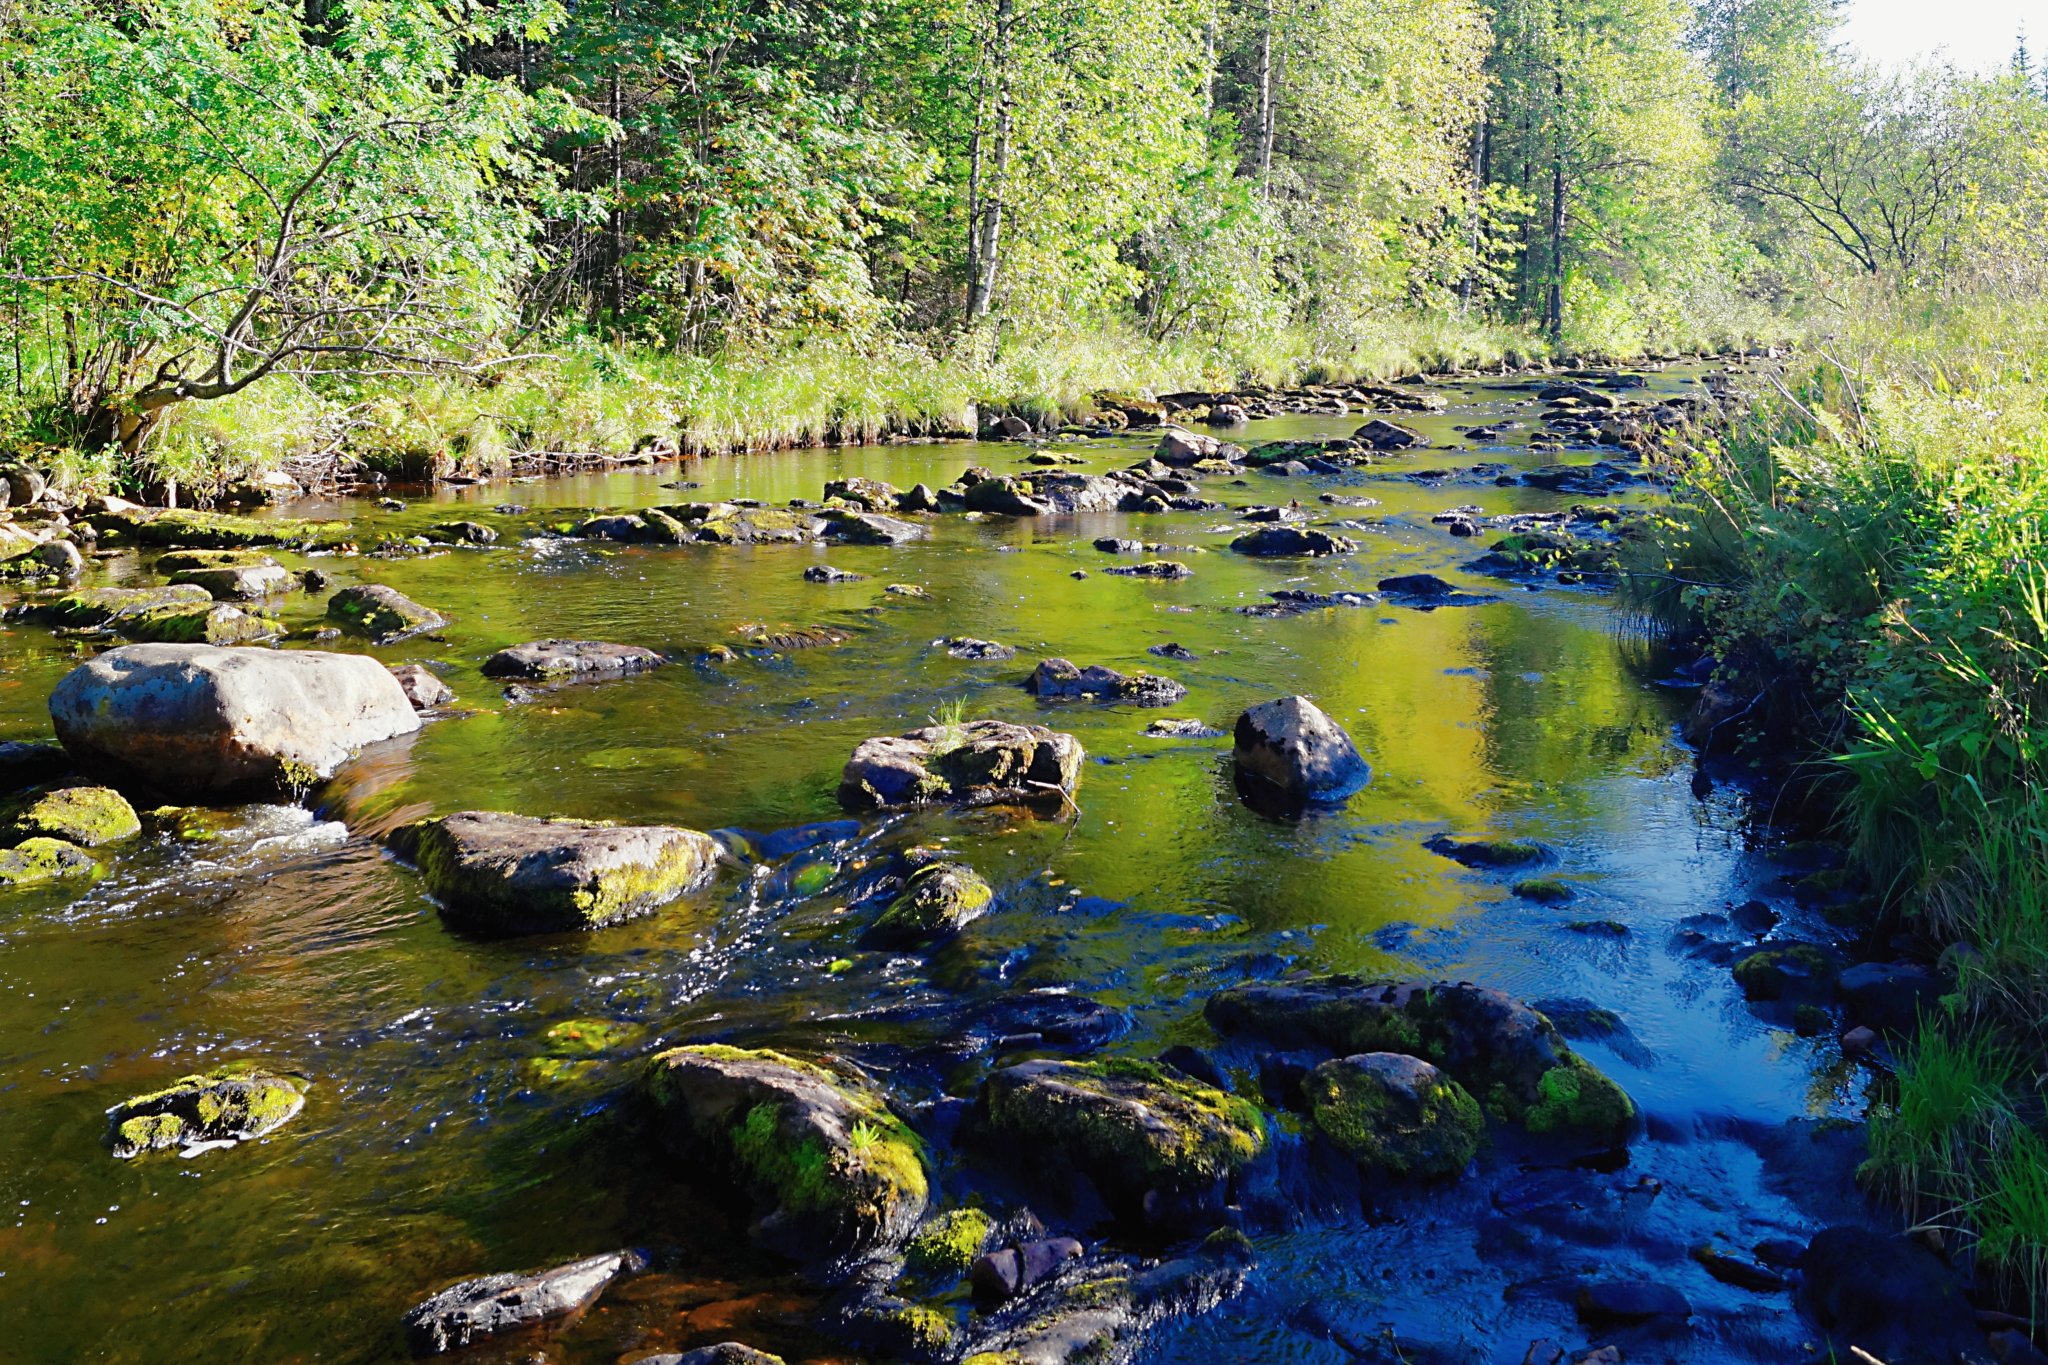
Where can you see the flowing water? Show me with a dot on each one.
(448, 1135)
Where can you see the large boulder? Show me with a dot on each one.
(1505, 1053)
(1061, 679)
(203, 720)
(518, 874)
(1395, 1114)
(232, 1104)
(1290, 750)
(984, 762)
(1133, 1128)
(473, 1310)
(564, 660)
(938, 899)
(381, 613)
(829, 1171)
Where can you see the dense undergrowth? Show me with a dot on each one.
(585, 399)
(1865, 548)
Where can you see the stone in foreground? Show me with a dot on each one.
(232, 1104)
(466, 1313)
(1395, 1113)
(1130, 1127)
(563, 660)
(984, 762)
(829, 1172)
(521, 875)
(1290, 751)
(939, 899)
(204, 720)
(1511, 1058)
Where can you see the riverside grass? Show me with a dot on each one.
(586, 398)
(1875, 529)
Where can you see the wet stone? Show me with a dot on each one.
(1058, 678)
(232, 1104)
(565, 660)
(967, 647)
(381, 613)
(475, 1310)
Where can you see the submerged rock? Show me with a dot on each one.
(983, 762)
(1098, 1310)
(1486, 853)
(204, 720)
(1506, 1054)
(1059, 678)
(1156, 568)
(559, 660)
(473, 1310)
(1290, 750)
(1394, 1113)
(1182, 728)
(825, 573)
(939, 899)
(518, 874)
(1276, 541)
(40, 861)
(1131, 1127)
(462, 533)
(380, 613)
(869, 528)
(1788, 971)
(829, 1171)
(232, 1104)
(87, 816)
(27, 763)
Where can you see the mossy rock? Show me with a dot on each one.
(195, 623)
(183, 561)
(89, 608)
(1502, 1051)
(178, 527)
(37, 862)
(517, 874)
(939, 899)
(1793, 971)
(87, 816)
(946, 1246)
(1577, 1101)
(1487, 853)
(380, 613)
(1395, 1114)
(829, 1171)
(1543, 890)
(1130, 1126)
(231, 1104)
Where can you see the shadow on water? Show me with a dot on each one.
(450, 1132)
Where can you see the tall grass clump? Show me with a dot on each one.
(1865, 545)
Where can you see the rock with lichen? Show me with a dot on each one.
(949, 1244)
(517, 874)
(41, 861)
(1395, 1114)
(830, 1174)
(1507, 1055)
(87, 816)
(381, 614)
(231, 1104)
(938, 899)
(980, 763)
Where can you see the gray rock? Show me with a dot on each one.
(517, 874)
(983, 762)
(238, 583)
(869, 528)
(1632, 1301)
(825, 573)
(967, 647)
(62, 557)
(1295, 752)
(204, 720)
(559, 660)
(1062, 679)
(462, 533)
(422, 688)
(723, 1353)
(1380, 434)
(1275, 541)
(474, 1310)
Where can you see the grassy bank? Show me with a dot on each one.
(1865, 550)
(585, 399)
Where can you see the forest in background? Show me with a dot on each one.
(415, 234)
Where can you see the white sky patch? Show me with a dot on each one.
(1976, 35)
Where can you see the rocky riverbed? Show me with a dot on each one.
(1226, 892)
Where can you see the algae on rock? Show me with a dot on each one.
(229, 1104)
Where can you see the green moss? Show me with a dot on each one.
(231, 1103)
(1150, 1124)
(1487, 853)
(577, 1037)
(151, 1132)
(218, 530)
(949, 1244)
(1773, 973)
(88, 816)
(925, 1329)
(1544, 890)
(1433, 1131)
(1574, 1097)
(938, 899)
(38, 861)
(197, 623)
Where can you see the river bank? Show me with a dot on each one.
(475, 1100)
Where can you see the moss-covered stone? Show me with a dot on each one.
(829, 1169)
(36, 862)
(946, 1246)
(216, 530)
(88, 816)
(230, 1104)
(90, 608)
(1131, 1126)
(516, 874)
(939, 899)
(1795, 971)
(199, 623)
(1486, 853)
(381, 613)
(1396, 1114)
(1543, 890)
(181, 561)
(1576, 1100)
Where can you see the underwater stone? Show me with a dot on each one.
(557, 660)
